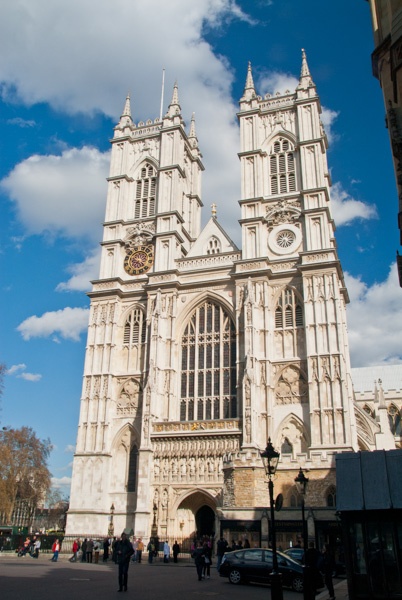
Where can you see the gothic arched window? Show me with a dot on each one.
(208, 365)
(132, 469)
(135, 328)
(288, 312)
(282, 170)
(145, 194)
(214, 246)
(394, 417)
(295, 500)
(331, 497)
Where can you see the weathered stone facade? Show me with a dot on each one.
(198, 352)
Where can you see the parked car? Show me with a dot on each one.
(298, 553)
(295, 553)
(255, 564)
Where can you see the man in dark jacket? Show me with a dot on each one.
(124, 551)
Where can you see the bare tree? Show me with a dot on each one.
(24, 474)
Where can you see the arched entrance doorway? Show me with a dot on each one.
(205, 521)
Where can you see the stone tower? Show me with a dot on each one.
(197, 351)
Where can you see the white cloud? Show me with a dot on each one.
(69, 449)
(61, 194)
(23, 123)
(82, 273)
(20, 372)
(272, 82)
(16, 368)
(68, 323)
(372, 314)
(62, 484)
(345, 208)
(328, 117)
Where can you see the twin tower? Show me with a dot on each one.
(198, 351)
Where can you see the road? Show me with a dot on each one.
(27, 578)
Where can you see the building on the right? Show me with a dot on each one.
(387, 67)
(369, 504)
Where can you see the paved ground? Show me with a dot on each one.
(29, 579)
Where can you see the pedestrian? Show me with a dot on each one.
(90, 548)
(140, 549)
(55, 550)
(206, 570)
(106, 545)
(221, 548)
(151, 551)
(124, 551)
(312, 559)
(176, 551)
(198, 556)
(96, 551)
(327, 567)
(36, 548)
(246, 543)
(84, 550)
(114, 557)
(166, 552)
(74, 551)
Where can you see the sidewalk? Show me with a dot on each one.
(340, 589)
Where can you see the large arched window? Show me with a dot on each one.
(288, 312)
(282, 169)
(132, 469)
(135, 328)
(145, 194)
(208, 365)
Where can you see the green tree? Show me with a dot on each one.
(24, 474)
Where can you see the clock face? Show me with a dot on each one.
(139, 260)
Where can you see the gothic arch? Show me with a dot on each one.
(126, 436)
(195, 499)
(291, 385)
(284, 287)
(136, 167)
(293, 429)
(201, 299)
(268, 142)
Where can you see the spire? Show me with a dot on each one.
(249, 89)
(305, 80)
(174, 106)
(127, 107)
(192, 136)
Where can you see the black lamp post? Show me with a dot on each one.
(270, 459)
(301, 482)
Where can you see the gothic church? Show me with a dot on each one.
(198, 351)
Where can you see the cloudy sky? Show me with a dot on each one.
(65, 70)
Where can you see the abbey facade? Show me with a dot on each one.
(199, 351)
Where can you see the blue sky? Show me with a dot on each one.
(65, 70)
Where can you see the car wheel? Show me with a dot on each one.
(235, 576)
(297, 584)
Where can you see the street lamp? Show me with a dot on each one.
(301, 482)
(270, 459)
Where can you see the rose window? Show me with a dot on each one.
(285, 238)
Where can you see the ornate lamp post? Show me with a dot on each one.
(301, 482)
(110, 530)
(270, 459)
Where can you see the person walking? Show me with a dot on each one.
(55, 550)
(166, 552)
(124, 551)
(176, 551)
(84, 550)
(74, 551)
(327, 567)
(198, 556)
(150, 550)
(106, 545)
(312, 559)
(221, 548)
(36, 548)
(90, 548)
(206, 570)
(140, 549)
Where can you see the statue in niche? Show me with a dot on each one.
(248, 425)
(156, 468)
